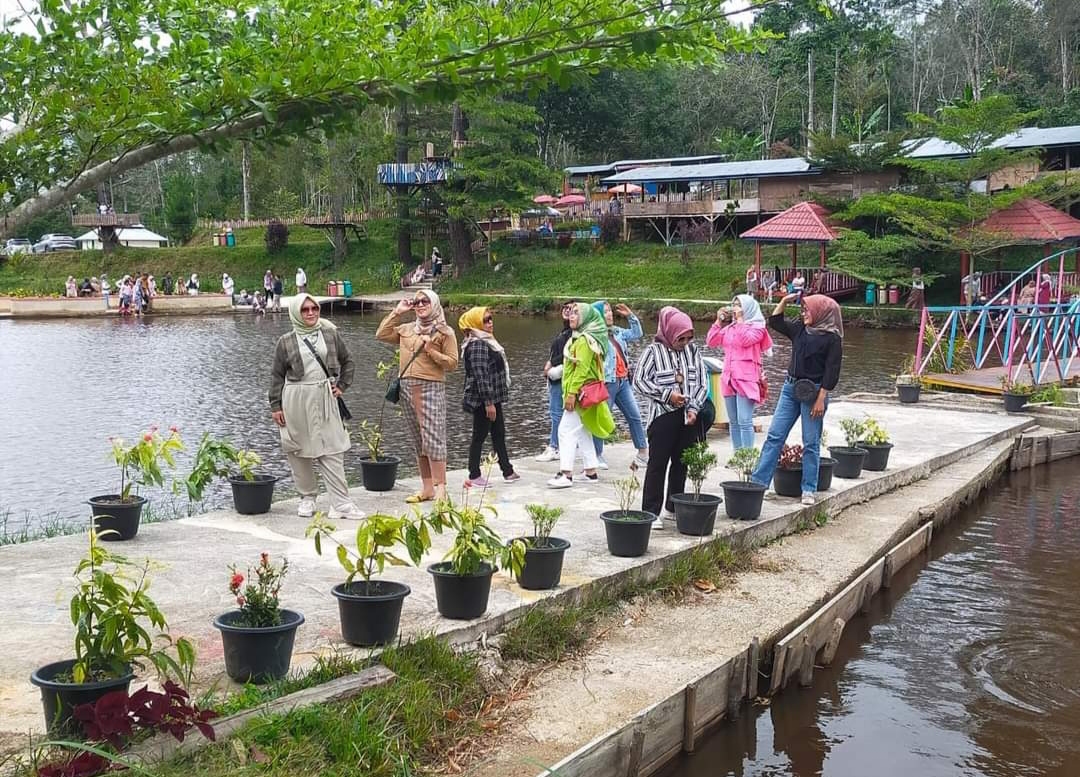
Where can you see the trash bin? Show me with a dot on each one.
(714, 367)
(331, 289)
(883, 296)
(894, 295)
(871, 290)
(348, 288)
(230, 239)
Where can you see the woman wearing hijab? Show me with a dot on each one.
(671, 376)
(741, 332)
(487, 387)
(553, 371)
(193, 284)
(583, 363)
(228, 286)
(814, 370)
(312, 367)
(617, 377)
(427, 351)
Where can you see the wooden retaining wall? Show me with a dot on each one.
(1031, 451)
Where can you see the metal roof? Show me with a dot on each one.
(804, 221)
(624, 163)
(1028, 137)
(589, 169)
(758, 168)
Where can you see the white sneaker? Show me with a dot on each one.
(809, 499)
(560, 481)
(549, 454)
(347, 510)
(306, 508)
(600, 463)
(658, 523)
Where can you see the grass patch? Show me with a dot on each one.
(807, 523)
(326, 668)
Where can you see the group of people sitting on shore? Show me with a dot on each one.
(589, 373)
(432, 271)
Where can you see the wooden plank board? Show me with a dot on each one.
(988, 379)
(898, 557)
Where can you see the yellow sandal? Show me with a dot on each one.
(418, 498)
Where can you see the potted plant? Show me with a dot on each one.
(787, 480)
(875, 440)
(110, 610)
(463, 577)
(908, 388)
(258, 638)
(116, 516)
(742, 498)
(252, 492)
(849, 457)
(1015, 394)
(627, 530)
(695, 514)
(370, 609)
(543, 553)
(378, 470)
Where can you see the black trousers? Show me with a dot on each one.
(481, 428)
(668, 436)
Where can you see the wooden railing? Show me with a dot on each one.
(105, 219)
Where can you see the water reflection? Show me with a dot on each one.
(965, 667)
(68, 385)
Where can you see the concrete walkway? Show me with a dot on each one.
(196, 552)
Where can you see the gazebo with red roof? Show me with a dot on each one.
(804, 222)
(1027, 222)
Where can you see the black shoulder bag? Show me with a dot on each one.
(393, 389)
(342, 408)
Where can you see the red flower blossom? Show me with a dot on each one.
(174, 430)
(264, 558)
(148, 437)
(236, 581)
(240, 600)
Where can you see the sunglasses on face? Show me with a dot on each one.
(488, 319)
(421, 302)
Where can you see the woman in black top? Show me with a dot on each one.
(814, 370)
(553, 373)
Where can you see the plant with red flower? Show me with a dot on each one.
(258, 596)
(143, 463)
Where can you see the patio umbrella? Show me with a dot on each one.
(625, 188)
(570, 199)
(544, 199)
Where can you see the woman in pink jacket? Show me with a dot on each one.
(741, 332)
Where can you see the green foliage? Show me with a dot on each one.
(1016, 387)
(216, 458)
(853, 430)
(180, 209)
(699, 461)
(853, 154)
(258, 597)
(549, 633)
(141, 463)
(544, 518)
(873, 433)
(626, 490)
(110, 605)
(277, 237)
(376, 537)
(743, 461)
(1052, 394)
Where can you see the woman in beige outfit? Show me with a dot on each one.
(423, 383)
(312, 367)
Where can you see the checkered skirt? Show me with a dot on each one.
(423, 403)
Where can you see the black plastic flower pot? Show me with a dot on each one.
(877, 456)
(379, 474)
(788, 482)
(742, 499)
(849, 461)
(1014, 403)
(695, 515)
(543, 565)
(253, 497)
(370, 612)
(257, 655)
(461, 597)
(114, 519)
(627, 532)
(825, 473)
(908, 392)
(59, 698)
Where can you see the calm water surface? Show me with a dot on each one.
(68, 385)
(968, 667)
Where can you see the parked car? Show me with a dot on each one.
(17, 245)
(51, 242)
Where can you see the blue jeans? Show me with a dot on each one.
(788, 411)
(555, 410)
(740, 413)
(621, 395)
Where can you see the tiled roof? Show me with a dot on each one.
(806, 221)
(1033, 221)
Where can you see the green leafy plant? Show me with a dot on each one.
(109, 608)
(257, 594)
(743, 461)
(376, 537)
(853, 431)
(142, 462)
(626, 489)
(873, 433)
(216, 458)
(699, 461)
(1051, 394)
(1016, 387)
(372, 433)
(544, 518)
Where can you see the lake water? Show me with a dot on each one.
(68, 385)
(967, 667)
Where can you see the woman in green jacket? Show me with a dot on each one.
(583, 363)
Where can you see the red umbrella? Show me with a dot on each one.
(625, 188)
(570, 199)
(544, 199)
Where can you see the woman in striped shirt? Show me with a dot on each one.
(671, 376)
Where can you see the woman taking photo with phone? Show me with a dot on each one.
(740, 331)
(428, 350)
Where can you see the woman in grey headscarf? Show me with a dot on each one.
(312, 367)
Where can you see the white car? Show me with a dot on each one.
(52, 242)
(17, 245)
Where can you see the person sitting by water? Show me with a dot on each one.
(258, 305)
(193, 284)
(418, 275)
(86, 289)
(817, 349)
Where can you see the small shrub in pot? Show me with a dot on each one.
(849, 457)
(142, 463)
(695, 514)
(543, 553)
(627, 530)
(875, 440)
(253, 492)
(743, 497)
(1015, 394)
